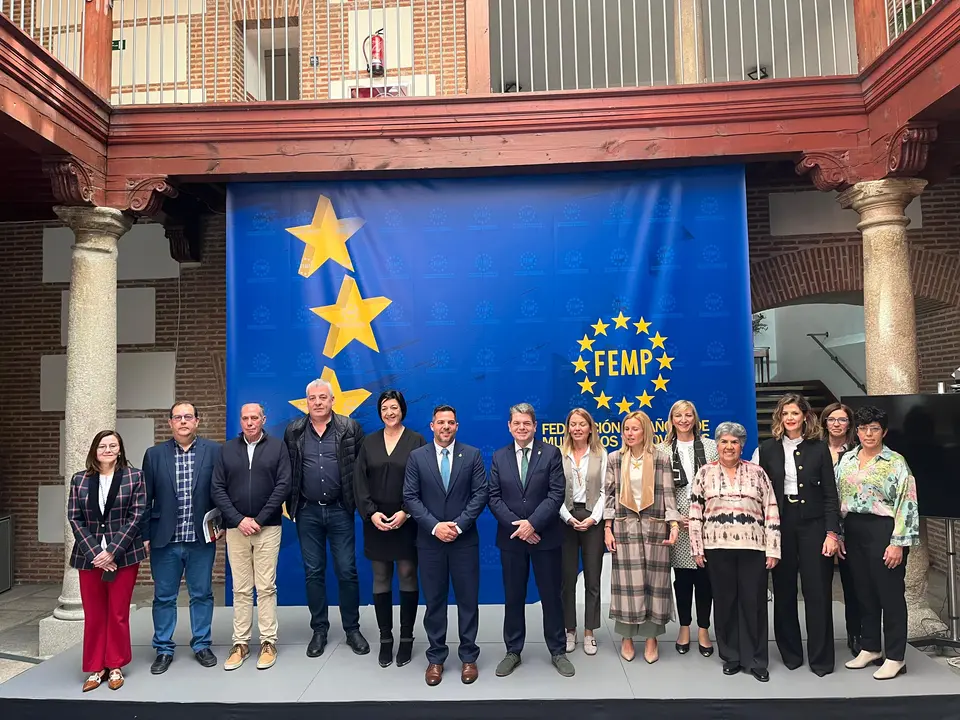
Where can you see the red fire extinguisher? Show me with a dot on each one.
(378, 51)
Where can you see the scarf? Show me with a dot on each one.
(627, 498)
(680, 478)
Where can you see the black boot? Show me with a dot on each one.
(408, 616)
(383, 605)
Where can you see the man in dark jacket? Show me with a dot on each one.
(323, 449)
(251, 480)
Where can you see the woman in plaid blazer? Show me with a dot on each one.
(106, 504)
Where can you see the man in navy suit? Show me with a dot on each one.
(526, 490)
(445, 490)
(177, 475)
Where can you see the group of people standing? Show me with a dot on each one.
(690, 504)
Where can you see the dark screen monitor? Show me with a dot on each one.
(925, 429)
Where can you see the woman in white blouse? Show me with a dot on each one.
(584, 467)
(689, 452)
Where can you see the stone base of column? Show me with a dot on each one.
(922, 620)
(58, 635)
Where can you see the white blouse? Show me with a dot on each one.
(103, 490)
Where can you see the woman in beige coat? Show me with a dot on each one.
(641, 523)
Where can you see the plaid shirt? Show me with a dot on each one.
(184, 463)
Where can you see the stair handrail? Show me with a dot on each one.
(833, 356)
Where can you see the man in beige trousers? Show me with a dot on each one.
(251, 480)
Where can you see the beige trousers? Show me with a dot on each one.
(253, 562)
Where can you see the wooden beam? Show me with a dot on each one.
(477, 27)
(870, 23)
(98, 45)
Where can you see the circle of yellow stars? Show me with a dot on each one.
(621, 322)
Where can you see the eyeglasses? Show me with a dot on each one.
(870, 429)
(838, 421)
(104, 448)
(178, 418)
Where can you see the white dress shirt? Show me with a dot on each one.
(687, 455)
(789, 464)
(103, 489)
(251, 447)
(517, 451)
(578, 492)
(439, 450)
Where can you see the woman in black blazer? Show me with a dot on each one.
(799, 465)
(105, 506)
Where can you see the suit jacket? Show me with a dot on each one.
(429, 503)
(816, 480)
(119, 523)
(159, 522)
(539, 502)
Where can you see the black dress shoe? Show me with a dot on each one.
(705, 651)
(682, 649)
(316, 645)
(405, 651)
(206, 657)
(731, 668)
(761, 675)
(358, 643)
(386, 651)
(161, 664)
(820, 673)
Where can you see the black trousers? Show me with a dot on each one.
(685, 582)
(801, 545)
(739, 582)
(589, 546)
(880, 591)
(851, 605)
(516, 575)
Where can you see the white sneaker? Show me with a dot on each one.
(589, 644)
(571, 640)
(890, 669)
(864, 659)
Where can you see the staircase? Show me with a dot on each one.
(768, 395)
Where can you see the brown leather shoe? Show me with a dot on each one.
(115, 679)
(469, 673)
(434, 674)
(94, 681)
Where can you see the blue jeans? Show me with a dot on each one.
(316, 525)
(167, 565)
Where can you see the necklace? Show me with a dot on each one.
(637, 463)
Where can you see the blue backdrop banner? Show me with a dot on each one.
(610, 291)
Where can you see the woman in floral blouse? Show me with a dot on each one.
(878, 501)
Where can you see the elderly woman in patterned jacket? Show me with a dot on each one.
(689, 451)
(641, 523)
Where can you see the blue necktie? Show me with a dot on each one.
(445, 468)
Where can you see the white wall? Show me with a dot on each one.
(800, 358)
(768, 338)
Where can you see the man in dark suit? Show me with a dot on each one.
(445, 490)
(526, 490)
(177, 475)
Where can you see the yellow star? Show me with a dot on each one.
(344, 401)
(621, 321)
(665, 361)
(325, 238)
(586, 344)
(660, 383)
(603, 400)
(657, 341)
(586, 385)
(645, 399)
(623, 406)
(350, 318)
(579, 365)
(642, 326)
(600, 328)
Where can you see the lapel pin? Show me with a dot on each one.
(460, 455)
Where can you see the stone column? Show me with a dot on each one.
(891, 335)
(91, 400)
(688, 43)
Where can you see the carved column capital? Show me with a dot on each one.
(882, 202)
(828, 170)
(72, 182)
(909, 148)
(145, 196)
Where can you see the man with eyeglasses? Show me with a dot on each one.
(178, 473)
(323, 449)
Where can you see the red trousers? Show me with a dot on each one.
(106, 618)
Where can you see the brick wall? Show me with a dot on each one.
(30, 327)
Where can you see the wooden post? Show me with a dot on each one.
(98, 45)
(688, 33)
(478, 47)
(870, 21)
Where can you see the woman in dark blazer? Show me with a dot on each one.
(800, 468)
(105, 507)
(387, 536)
